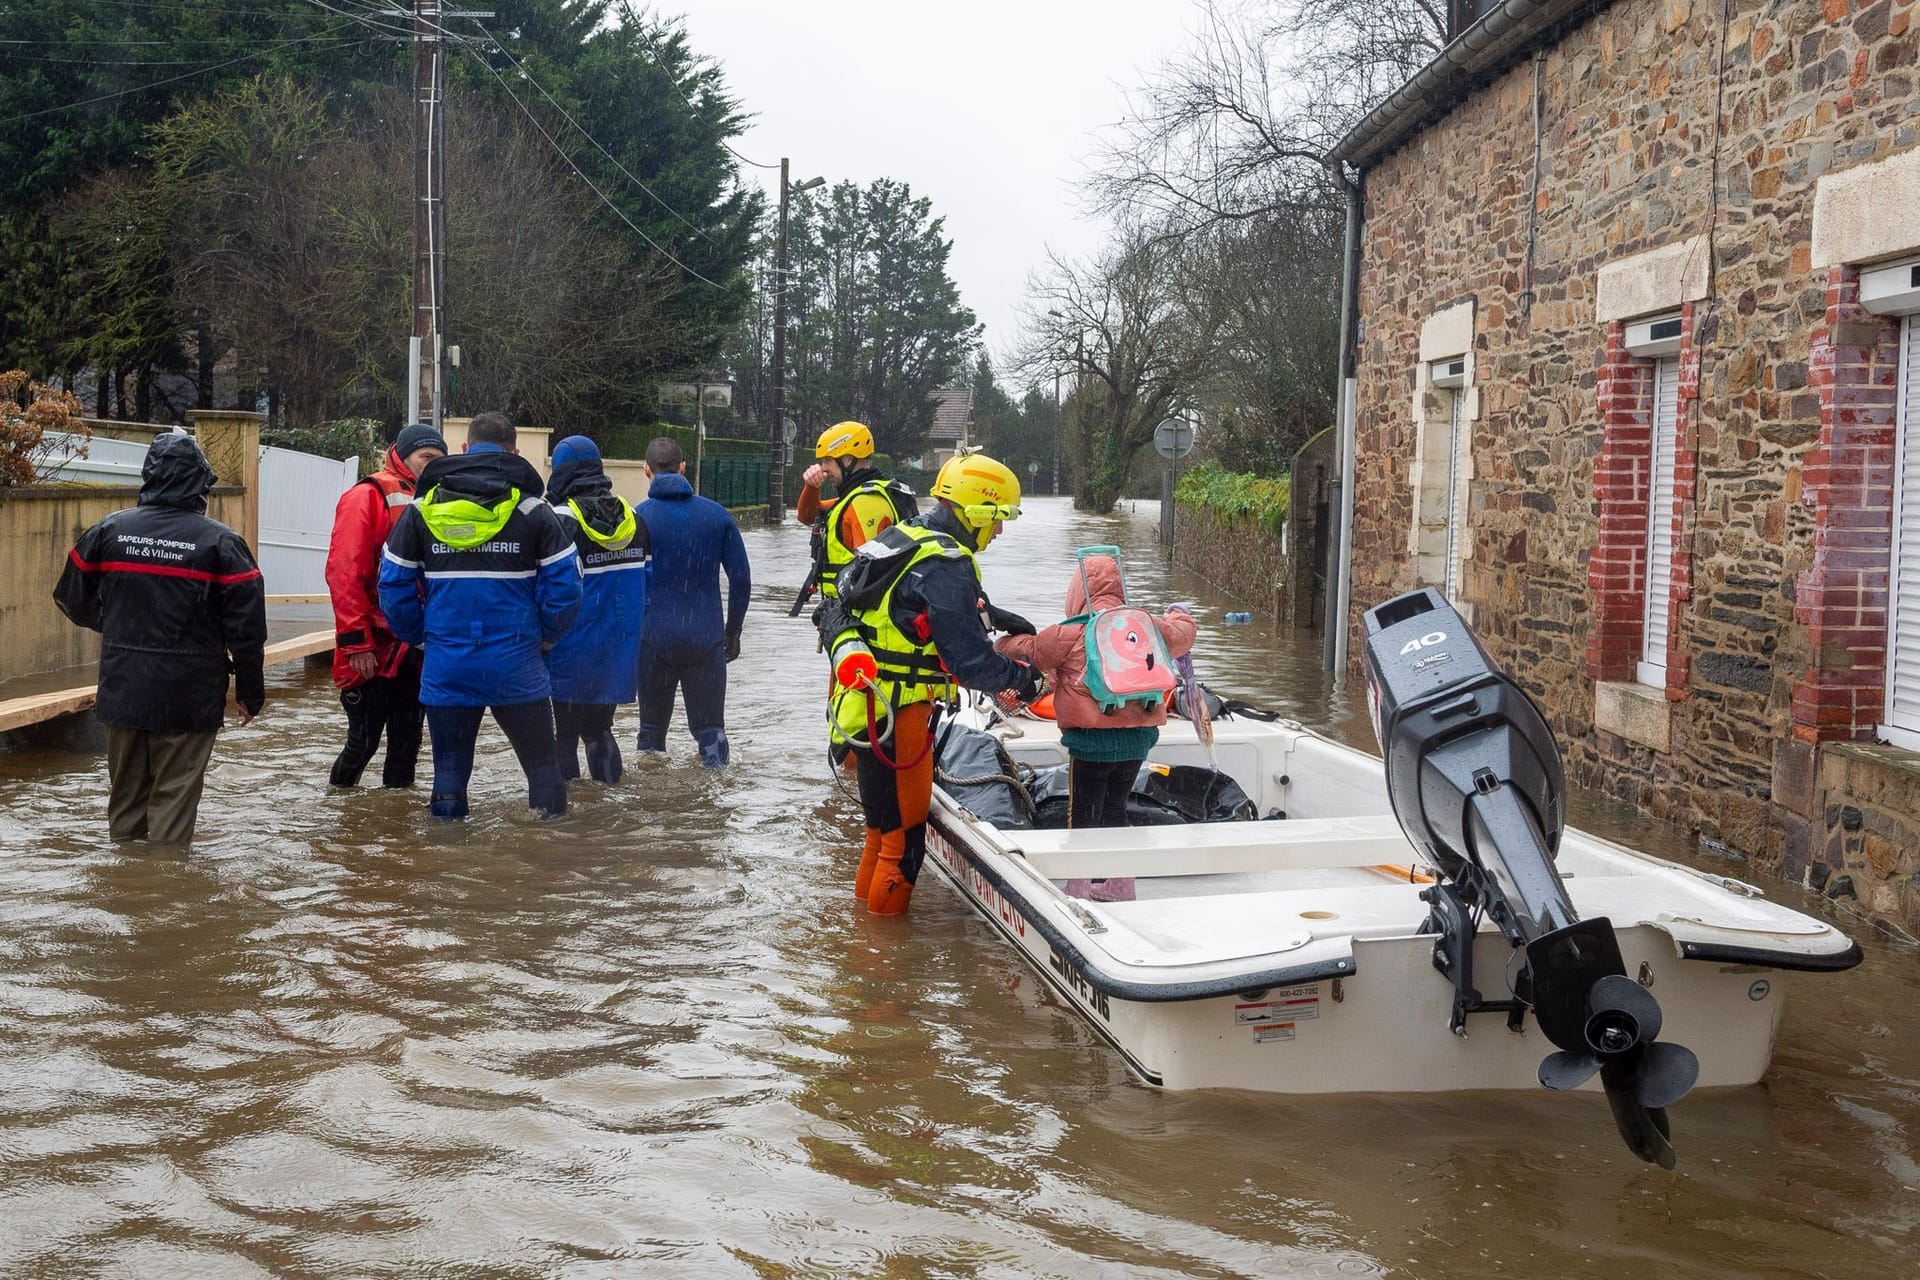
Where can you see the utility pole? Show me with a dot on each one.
(429, 214)
(425, 349)
(776, 430)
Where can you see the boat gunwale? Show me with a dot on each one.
(1107, 984)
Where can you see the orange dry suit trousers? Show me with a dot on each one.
(895, 801)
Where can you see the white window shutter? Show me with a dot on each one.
(1664, 456)
(1903, 606)
(1455, 518)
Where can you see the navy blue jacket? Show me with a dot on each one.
(482, 611)
(693, 540)
(598, 660)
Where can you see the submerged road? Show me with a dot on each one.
(656, 1038)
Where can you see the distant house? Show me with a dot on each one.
(952, 425)
(1638, 386)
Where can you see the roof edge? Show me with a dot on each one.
(1504, 34)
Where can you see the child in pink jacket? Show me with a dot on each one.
(1105, 749)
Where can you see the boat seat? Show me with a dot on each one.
(1214, 848)
(1213, 927)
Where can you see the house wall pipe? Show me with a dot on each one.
(1340, 552)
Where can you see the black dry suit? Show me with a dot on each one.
(173, 594)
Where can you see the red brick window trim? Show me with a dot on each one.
(1617, 570)
(1847, 478)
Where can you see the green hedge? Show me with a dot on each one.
(630, 442)
(1232, 495)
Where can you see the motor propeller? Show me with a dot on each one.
(1473, 773)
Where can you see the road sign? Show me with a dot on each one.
(1173, 438)
(789, 430)
(679, 393)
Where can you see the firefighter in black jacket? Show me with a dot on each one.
(178, 601)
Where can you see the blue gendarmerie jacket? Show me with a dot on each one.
(693, 539)
(598, 660)
(479, 573)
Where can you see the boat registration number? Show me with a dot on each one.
(1295, 1004)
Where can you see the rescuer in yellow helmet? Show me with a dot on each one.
(912, 595)
(866, 501)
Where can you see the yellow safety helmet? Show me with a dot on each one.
(845, 440)
(983, 491)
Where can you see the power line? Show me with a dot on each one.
(184, 75)
(568, 117)
(562, 153)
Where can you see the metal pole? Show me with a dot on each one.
(776, 469)
(1340, 567)
(1166, 506)
(1055, 489)
(699, 429)
(429, 206)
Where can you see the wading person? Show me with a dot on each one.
(377, 673)
(913, 597)
(595, 666)
(687, 640)
(1106, 745)
(480, 574)
(866, 503)
(178, 601)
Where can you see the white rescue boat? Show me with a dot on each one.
(1305, 951)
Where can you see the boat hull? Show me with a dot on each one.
(1376, 1020)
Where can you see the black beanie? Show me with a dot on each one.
(418, 436)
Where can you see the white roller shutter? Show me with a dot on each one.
(1454, 516)
(1903, 612)
(1661, 496)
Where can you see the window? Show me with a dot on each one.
(1902, 725)
(1662, 494)
(1451, 376)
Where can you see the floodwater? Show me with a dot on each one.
(656, 1038)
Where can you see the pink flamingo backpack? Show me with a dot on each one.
(1127, 661)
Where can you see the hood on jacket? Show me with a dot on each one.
(672, 485)
(1096, 585)
(485, 476)
(606, 517)
(577, 471)
(176, 473)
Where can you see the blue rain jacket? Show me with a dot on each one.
(693, 539)
(598, 660)
(479, 573)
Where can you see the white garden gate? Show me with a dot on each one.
(297, 496)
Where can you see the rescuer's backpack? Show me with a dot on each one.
(1127, 659)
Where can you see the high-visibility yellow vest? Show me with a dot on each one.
(909, 668)
(837, 552)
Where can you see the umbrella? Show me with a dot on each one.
(1194, 699)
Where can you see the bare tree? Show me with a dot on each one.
(1139, 350)
(1235, 127)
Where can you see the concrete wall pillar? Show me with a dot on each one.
(231, 440)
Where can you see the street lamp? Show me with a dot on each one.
(776, 447)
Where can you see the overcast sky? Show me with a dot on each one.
(989, 108)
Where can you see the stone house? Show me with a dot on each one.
(1637, 376)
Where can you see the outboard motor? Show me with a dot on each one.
(1474, 776)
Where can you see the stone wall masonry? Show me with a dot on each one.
(1241, 557)
(1658, 125)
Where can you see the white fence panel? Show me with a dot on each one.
(297, 496)
(107, 461)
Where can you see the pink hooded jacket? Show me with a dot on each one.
(1060, 650)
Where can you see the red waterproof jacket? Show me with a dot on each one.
(364, 516)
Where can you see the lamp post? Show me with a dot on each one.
(776, 444)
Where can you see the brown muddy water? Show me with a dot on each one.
(656, 1038)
